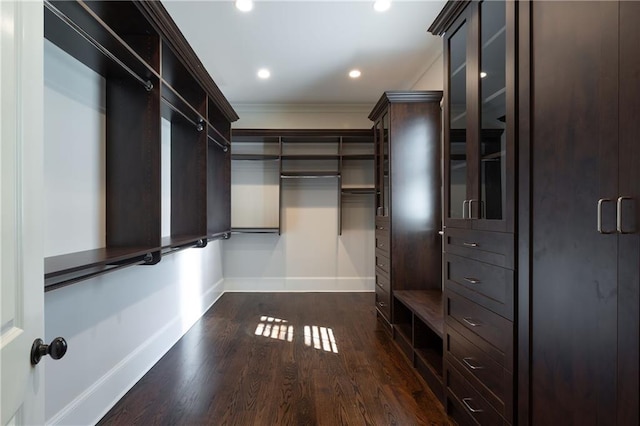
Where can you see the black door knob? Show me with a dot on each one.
(56, 349)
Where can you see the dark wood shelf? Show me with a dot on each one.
(309, 174)
(310, 157)
(358, 156)
(70, 268)
(254, 157)
(256, 230)
(431, 358)
(358, 190)
(426, 304)
(183, 240)
(63, 264)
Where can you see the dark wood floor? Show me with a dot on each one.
(270, 359)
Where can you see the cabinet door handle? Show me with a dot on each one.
(381, 245)
(381, 228)
(471, 209)
(470, 244)
(465, 401)
(471, 322)
(380, 265)
(382, 304)
(601, 201)
(464, 203)
(468, 360)
(472, 280)
(619, 215)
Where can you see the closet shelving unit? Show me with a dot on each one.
(150, 73)
(307, 154)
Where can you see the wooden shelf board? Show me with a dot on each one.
(254, 157)
(310, 157)
(181, 240)
(309, 174)
(358, 190)
(432, 358)
(358, 156)
(426, 304)
(255, 230)
(55, 266)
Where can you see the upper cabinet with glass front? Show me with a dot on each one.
(478, 111)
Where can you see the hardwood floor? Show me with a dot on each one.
(269, 359)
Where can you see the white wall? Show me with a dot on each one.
(433, 78)
(309, 255)
(119, 324)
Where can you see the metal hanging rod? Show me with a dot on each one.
(148, 85)
(199, 125)
(224, 147)
(308, 176)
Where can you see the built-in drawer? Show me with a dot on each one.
(383, 263)
(383, 283)
(487, 330)
(465, 404)
(382, 223)
(488, 285)
(383, 303)
(496, 248)
(382, 243)
(489, 378)
(382, 234)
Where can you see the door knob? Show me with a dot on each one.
(56, 349)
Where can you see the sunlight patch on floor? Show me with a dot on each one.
(321, 338)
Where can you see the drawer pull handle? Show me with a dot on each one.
(472, 280)
(380, 245)
(382, 304)
(381, 228)
(465, 401)
(381, 265)
(471, 322)
(468, 360)
(470, 244)
(379, 285)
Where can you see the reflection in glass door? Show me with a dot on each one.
(492, 110)
(458, 208)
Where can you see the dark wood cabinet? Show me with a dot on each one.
(408, 220)
(579, 192)
(150, 73)
(479, 210)
(570, 288)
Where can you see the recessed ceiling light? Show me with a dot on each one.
(483, 74)
(264, 73)
(382, 5)
(355, 73)
(244, 5)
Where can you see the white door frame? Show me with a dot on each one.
(21, 221)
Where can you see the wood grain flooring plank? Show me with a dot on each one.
(268, 359)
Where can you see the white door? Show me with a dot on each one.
(21, 186)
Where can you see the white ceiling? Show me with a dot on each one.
(309, 47)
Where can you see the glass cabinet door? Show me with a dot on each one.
(386, 205)
(456, 180)
(492, 147)
(377, 133)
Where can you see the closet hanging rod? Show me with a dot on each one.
(308, 176)
(199, 125)
(224, 147)
(148, 85)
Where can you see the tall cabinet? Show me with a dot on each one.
(408, 219)
(542, 299)
(579, 212)
(479, 179)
